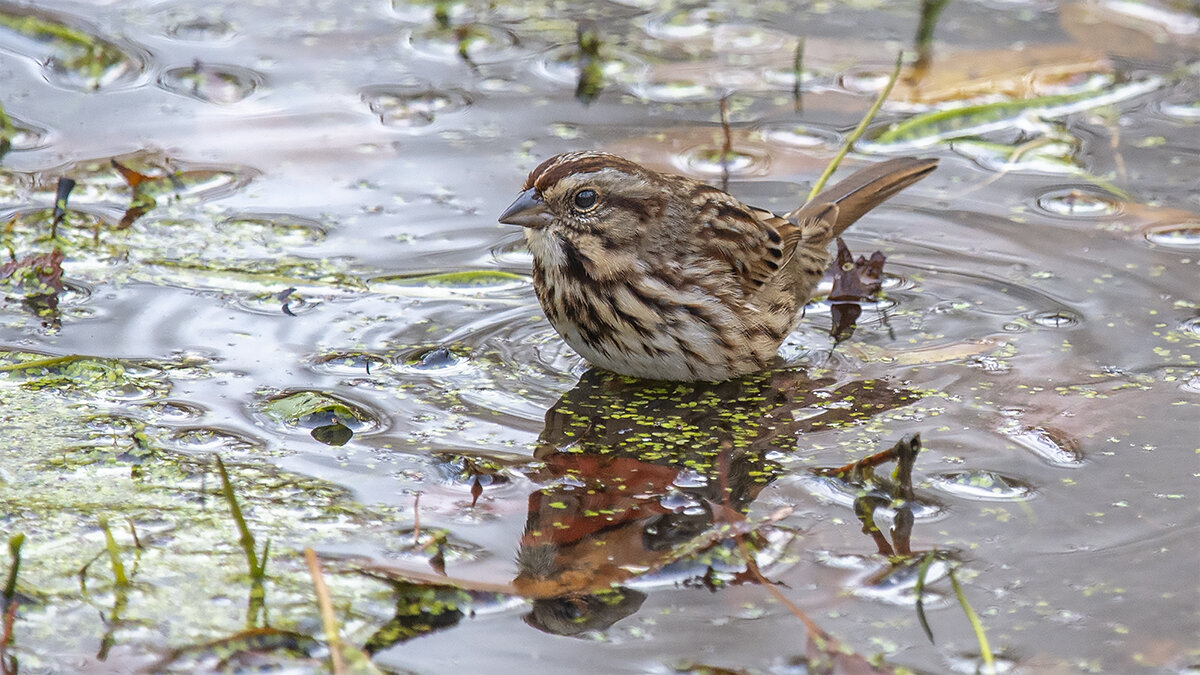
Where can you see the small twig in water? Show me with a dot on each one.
(798, 75)
(893, 453)
(417, 519)
(325, 604)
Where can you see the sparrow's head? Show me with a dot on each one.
(589, 193)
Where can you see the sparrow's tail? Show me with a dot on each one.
(863, 190)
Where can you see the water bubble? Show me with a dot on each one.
(412, 107)
(465, 469)
(426, 13)
(201, 30)
(562, 65)
(1188, 110)
(173, 411)
(289, 302)
(865, 81)
(1192, 385)
(982, 485)
(74, 293)
(1059, 318)
(309, 409)
(896, 282)
(896, 584)
(275, 229)
(477, 43)
(989, 364)
(22, 136)
(873, 311)
(1184, 236)
(211, 439)
(109, 425)
(742, 38)
(1051, 445)
(219, 84)
(709, 161)
(801, 136)
(786, 77)
(970, 664)
(436, 361)
(690, 478)
(684, 24)
(676, 91)
(1191, 326)
(846, 493)
(350, 363)
(1078, 203)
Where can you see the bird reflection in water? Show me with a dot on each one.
(640, 478)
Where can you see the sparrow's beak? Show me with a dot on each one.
(528, 211)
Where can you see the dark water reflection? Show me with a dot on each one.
(281, 248)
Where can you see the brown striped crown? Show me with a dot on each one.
(549, 172)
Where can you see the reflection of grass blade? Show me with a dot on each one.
(984, 650)
(114, 554)
(7, 132)
(246, 538)
(975, 119)
(1045, 154)
(919, 591)
(931, 11)
(798, 75)
(14, 553)
(257, 565)
(858, 131)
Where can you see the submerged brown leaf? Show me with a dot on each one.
(37, 280)
(36, 274)
(853, 281)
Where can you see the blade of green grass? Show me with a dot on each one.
(985, 650)
(858, 131)
(14, 553)
(919, 591)
(114, 554)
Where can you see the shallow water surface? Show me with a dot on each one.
(281, 249)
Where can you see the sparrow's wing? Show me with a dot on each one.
(749, 240)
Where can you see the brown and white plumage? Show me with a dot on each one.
(661, 276)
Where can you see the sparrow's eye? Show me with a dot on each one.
(585, 200)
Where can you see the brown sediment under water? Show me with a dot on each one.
(281, 249)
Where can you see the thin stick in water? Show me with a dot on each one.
(325, 604)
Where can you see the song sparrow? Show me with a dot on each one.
(661, 276)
